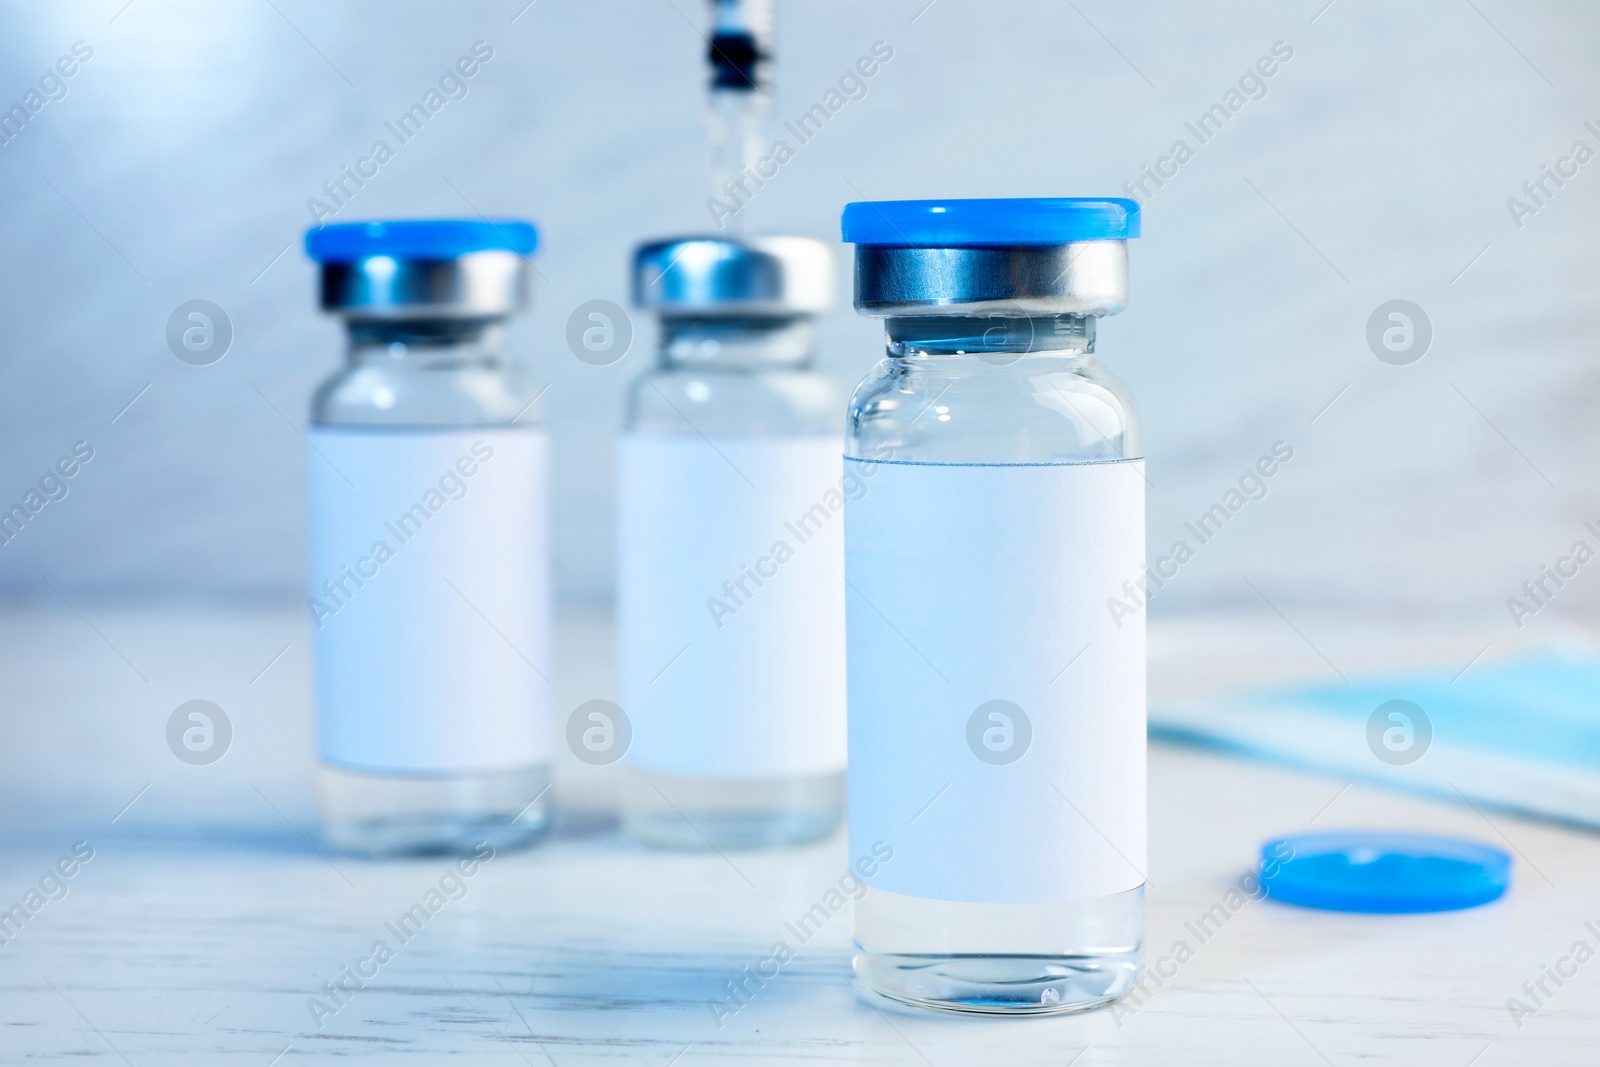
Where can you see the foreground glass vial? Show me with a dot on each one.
(997, 702)
(730, 610)
(430, 590)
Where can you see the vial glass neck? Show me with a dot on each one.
(736, 343)
(949, 335)
(427, 342)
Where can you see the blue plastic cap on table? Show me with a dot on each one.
(1382, 872)
(428, 239)
(1054, 220)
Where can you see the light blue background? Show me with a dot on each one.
(179, 164)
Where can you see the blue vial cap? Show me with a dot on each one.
(1050, 220)
(426, 239)
(1382, 872)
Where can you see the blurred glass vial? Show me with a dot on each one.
(731, 553)
(430, 587)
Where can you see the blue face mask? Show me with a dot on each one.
(1523, 735)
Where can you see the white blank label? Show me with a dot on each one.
(731, 604)
(430, 595)
(978, 592)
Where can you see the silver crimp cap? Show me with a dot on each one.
(1080, 278)
(712, 276)
(475, 285)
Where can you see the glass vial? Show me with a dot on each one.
(997, 705)
(430, 588)
(730, 600)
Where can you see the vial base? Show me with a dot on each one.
(1000, 959)
(416, 815)
(679, 812)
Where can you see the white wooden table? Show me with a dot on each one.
(207, 917)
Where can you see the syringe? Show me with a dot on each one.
(741, 64)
